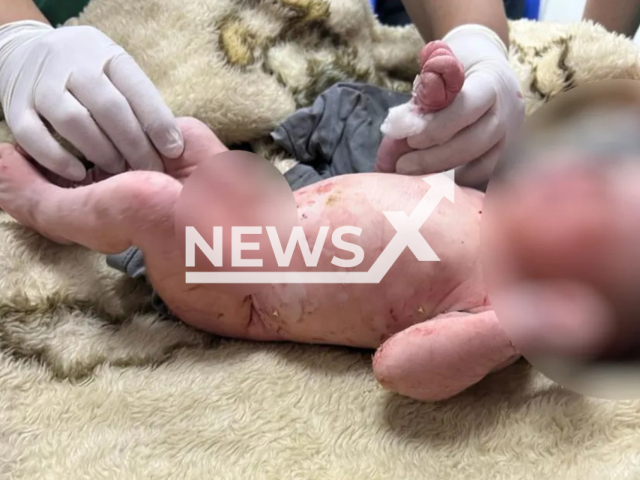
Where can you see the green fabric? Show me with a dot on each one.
(59, 11)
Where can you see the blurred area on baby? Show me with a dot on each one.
(561, 230)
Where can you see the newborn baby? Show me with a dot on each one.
(433, 328)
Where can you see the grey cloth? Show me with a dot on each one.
(339, 134)
(131, 262)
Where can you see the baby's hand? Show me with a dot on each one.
(440, 80)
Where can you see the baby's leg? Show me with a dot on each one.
(440, 358)
(108, 216)
(133, 208)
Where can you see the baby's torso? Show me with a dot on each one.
(411, 291)
(352, 314)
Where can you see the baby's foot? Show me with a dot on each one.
(440, 80)
(22, 189)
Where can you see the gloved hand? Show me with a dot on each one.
(470, 134)
(90, 91)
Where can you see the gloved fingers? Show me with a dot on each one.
(477, 97)
(34, 138)
(466, 146)
(74, 122)
(147, 103)
(115, 117)
(479, 171)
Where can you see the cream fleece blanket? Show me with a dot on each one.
(95, 385)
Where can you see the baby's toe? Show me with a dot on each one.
(20, 185)
(16, 172)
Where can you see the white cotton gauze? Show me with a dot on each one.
(403, 121)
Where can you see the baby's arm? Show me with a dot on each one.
(439, 358)
(108, 216)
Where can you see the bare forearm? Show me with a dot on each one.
(621, 16)
(14, 10)
(435, 18)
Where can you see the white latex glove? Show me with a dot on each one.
(90, 91)
(470, 135)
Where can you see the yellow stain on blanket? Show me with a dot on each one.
(240, 44)
(237, 42)
(311, 10)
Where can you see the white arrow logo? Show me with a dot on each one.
(407, 236)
